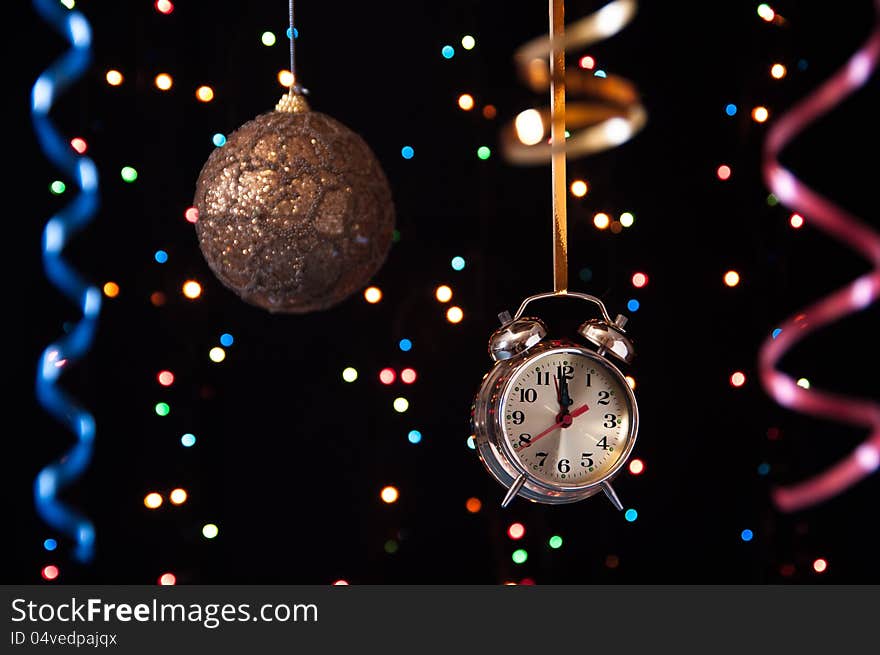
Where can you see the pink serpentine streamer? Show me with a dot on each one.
(854, 297)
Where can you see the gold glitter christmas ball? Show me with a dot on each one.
(295, 212)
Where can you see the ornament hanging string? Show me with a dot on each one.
(855, 296)
(294, 85)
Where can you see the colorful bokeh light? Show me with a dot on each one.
(349, 374)
(408, 375)
(389, 494)
(152, 500)
(443, 293)
(372, 295)
(454, 314)
(387, 376)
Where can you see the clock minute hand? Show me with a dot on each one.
(564, 422)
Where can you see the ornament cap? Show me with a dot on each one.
(293, 103)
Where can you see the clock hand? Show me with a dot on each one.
(564, 422)
(565, 399)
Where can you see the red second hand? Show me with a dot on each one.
(566, 421)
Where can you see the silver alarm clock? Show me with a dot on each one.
(554, 420)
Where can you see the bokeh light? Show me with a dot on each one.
(766, 12)
(601, 220)
(167, 580)
(192, 214)
(516, 531)
(468, 42)
(778, 71)
(129, 174)
(633, 305)
(111, 289)
(50, 544)
(636, 467)
(178, 496)
(400, 405)
(578, 188)
(447, 51)
(631, 515)
(466, 101)
(408, 375)
(226, 339)
(79, 145)
(387, 376)
(157, 298)
(820, 565)
(529, 127)
(723, 172)
(407, 152)
(760, 114)
(457, 263)
(489, 112)
(555, 542)
(730, 109)
(164, 6)
(587, 62)
(473, 505)
(471, 443)
(210, 531)
(57, 187)
(188, 440)
(639, 280)
(746, 535)
(443, 293)
(267, 38)
(163, 81)
(372, 295)
(160, 256)
(803, 383)
(796, 221)
(349, 374)
(414, 436)
(285, 78)
(631, 381)
(191, 289)
(166, 378)
(49, 572)
(340, 583)
(731, 278)
(454, 314)
(205, 94)
(216, 354)
(737, 379)
(114, 78)
(483, 152)
(627, 219)
(219, 140)
(519, 556)
(163, 409)
(152, 500)
(405, 345)
(389, 494)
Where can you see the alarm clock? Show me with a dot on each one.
(554, 420)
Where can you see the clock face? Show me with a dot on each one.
(567, 418)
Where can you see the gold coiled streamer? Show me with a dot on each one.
(607, 111)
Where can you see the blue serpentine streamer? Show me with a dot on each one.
(57, 475)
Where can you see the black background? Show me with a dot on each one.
(290, 459)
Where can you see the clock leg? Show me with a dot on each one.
(514, 490)
(612, 496)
